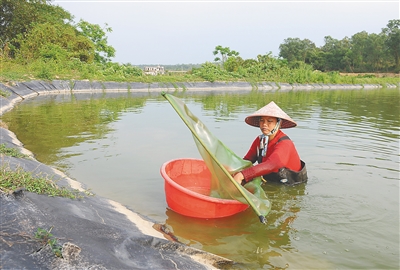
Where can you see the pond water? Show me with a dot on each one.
(346, 216)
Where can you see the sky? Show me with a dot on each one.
(187, 32)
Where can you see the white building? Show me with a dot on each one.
(154, 70)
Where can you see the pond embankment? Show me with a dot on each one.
(20, 91)
(96, 232)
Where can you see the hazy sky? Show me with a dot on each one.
(184, 32)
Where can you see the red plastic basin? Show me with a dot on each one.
(187, 186)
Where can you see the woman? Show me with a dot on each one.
(277, 157)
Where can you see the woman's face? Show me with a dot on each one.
(267, 123)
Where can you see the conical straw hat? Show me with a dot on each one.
(273, 110)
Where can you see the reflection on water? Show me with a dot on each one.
(346, 216)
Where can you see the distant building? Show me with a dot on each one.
(154, 70)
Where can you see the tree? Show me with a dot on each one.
(317, 59)
(335, 52)
(367, 52)
(392, 32)
(232, 64)
(40, 29)
(268, 62)
(97, 35)
(225, 52)
(295, 49)
(58, 42)
(375, 52)
(357, 55)
(19, 16)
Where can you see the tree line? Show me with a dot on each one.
(362, 52)
(37, 36)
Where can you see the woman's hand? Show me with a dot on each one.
(238, 177)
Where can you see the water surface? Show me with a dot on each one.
(346, 216)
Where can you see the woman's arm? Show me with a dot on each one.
(279, 158)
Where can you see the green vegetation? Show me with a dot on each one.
(362, 52)
(225, 52)
(46, 238)
(14, 179)
(4, 94)
(39, 40)
(11, 151)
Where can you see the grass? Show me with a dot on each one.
(46, 238)
(42, 236)
(12, 152)
(11, 179)
(16, 179)
(4, 93)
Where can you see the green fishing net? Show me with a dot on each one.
(222, 163)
